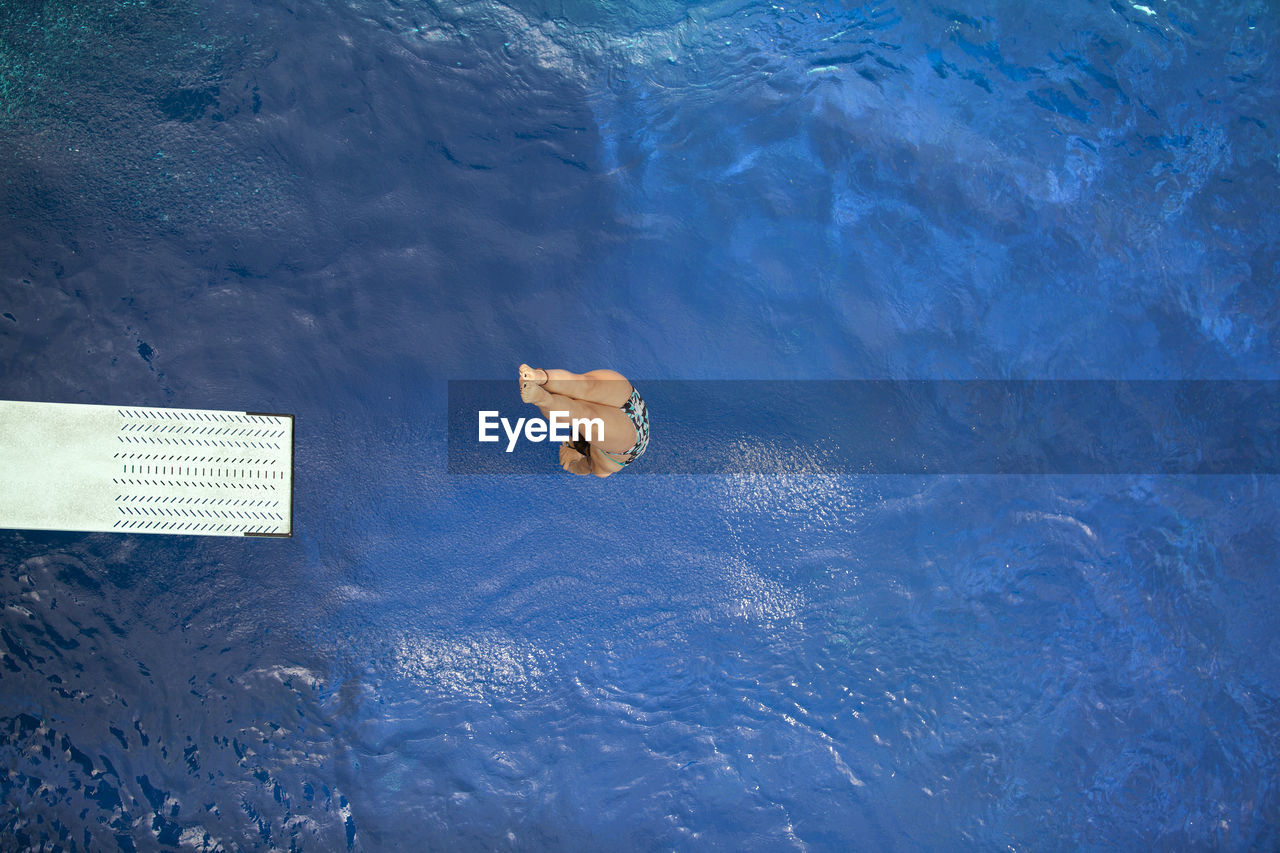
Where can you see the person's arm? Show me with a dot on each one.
(576, 463)
(603, 468)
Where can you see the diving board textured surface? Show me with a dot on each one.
(145, 470)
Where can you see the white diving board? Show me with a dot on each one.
(141, 470)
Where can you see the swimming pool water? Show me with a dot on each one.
(333, 209)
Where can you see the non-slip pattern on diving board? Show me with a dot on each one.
(143, 470)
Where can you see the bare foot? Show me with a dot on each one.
(530, 374)
(534, 394)
(530, 385)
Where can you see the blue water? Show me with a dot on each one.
(332, 209)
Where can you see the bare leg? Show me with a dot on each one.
(607, 387)
(619, 433)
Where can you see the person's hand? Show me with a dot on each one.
(570, 459)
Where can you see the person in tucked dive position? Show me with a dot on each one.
(602, 394)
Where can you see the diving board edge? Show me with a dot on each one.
(293, 445)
